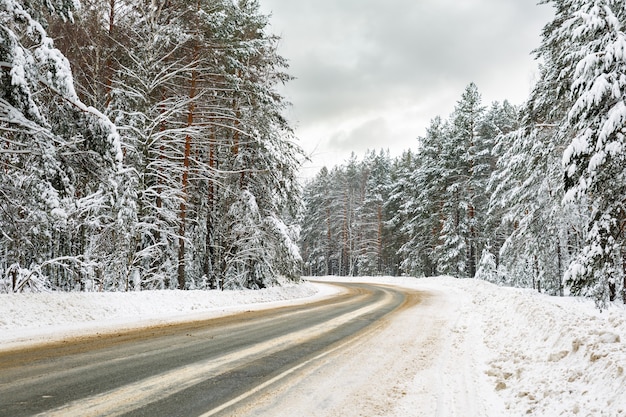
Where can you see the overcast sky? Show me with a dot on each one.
(373, 73)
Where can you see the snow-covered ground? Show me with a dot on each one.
(514, 352)
(481, 350)
(45, 317)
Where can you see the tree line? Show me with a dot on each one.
(144, 147)
(528, 196)
(423, 213)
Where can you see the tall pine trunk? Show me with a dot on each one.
(185, 176)
(210, 255)
(379, 240)
(472, 252)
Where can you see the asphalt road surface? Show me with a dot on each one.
(203, 368)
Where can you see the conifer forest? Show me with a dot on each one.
(160, 160)
(144, 145)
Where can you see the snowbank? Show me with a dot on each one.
(31, 318)
(542, 356)
(553, 356)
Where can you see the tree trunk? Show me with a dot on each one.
(14, 279)
(472, 253)
(209, 262)
(237, 136)
(612, 291)
(185, 176)
(329, 243)
(109, 63)
(560, 267)
(623, 254)
(344, 265)
(380, 239)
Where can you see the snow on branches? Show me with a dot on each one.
(593, 65)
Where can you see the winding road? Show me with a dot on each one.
(217, 367)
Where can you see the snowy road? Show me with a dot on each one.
(392, 347)
(415, 362)
(204, 368)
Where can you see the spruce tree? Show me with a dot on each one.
(583, 48)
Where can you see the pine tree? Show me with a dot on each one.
(527, 194)
(398, 207)
(260, 156)
(458, 250)
(60, 158)
(192, 89)
(596, 155)
(317, 242)
(500, 119)
(346, 226)
(424, 198)
(373, 257)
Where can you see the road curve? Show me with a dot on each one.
(201, 368)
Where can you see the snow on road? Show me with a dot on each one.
(470, 349)
(427, 361)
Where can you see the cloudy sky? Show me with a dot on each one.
(371, 74)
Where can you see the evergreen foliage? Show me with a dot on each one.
(164, 161)
(530, 196)
(187, 179)
(60, 161)
(421, 214)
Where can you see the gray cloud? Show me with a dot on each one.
(361, 58)
(369, 135)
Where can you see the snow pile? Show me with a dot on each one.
(539, 355)
(37, 316)
(551, 356)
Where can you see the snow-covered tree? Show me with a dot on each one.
(583, 89)
(462, 152)
(60, 158)
(317, 243)
(540, 232)
(596, 154)
(399, 208)
(423, 196)
(487, 266)
(254, 148)
(345, 226)
(373, 258)
(191, 87)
